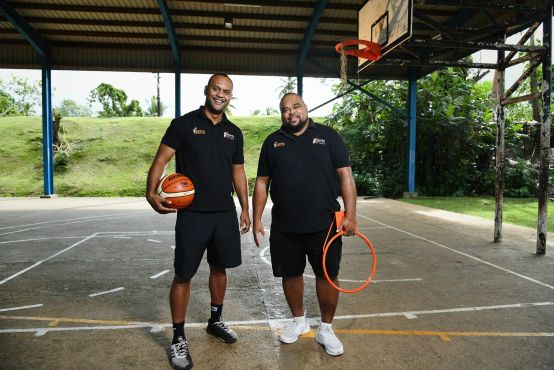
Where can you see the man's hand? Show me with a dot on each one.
(349, 225)
(258, 231)
(160, 204)
(244, 221)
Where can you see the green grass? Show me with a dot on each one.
(107, 156)
(516, 211)
(111, 157)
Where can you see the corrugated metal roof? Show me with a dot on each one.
(130, 35)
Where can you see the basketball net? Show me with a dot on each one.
(343, 68)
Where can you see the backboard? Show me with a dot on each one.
(387, 22)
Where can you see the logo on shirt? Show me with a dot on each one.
(318, 141)
(228, 136)
(278, 144)
(196, 131)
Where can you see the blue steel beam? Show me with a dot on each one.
(305, 45)
(32, 37)
(412, 100)
(42, 47)
(175, 50)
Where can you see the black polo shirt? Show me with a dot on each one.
(206, 153)
(304, 184)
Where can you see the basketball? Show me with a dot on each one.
(177, 188)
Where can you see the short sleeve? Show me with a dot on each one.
(238, 155)
(339, 152)
(263, 162)
(174, 134)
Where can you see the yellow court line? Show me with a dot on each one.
(444, 335)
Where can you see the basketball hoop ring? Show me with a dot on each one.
(372, 50)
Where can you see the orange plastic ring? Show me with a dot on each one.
(372, 50)
(372, 272)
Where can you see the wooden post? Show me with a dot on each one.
(498, 90)
(545, 134)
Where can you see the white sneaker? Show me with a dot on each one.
(293, 330)
(326, 337)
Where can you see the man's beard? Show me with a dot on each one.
(211, 109)
(295, 129)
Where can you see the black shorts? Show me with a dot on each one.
(196, 232)
(289, 251)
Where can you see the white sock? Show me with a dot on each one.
(324, 325)
(299, 318)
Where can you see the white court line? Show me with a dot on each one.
(172, 246)
(69, 223)
(462, 253)
(39, 239)
(159, 274)
(154, 241)
(66, 219)
(121, 237)
(106, 292)
(48, 258)
(156, 327)
(84, 236)
(20, 307)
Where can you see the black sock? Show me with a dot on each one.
(216, 310)
(178, 331)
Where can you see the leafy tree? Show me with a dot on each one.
(287, 85)
(70, 108)
(270, 111)
(18, 95)
(255, 112)
(114, 102)
(153, 107)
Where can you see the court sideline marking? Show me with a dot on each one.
(461, 253)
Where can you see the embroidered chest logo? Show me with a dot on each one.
(318, 141)
(278, 144)
(228, 136)
(196, 131)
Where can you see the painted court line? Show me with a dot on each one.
(70, 223)
(463, 254)
(274, 323)
(47, 259)
(20, 307)
(56, 222)
(159, 274)
(154, 240)
(106, 292)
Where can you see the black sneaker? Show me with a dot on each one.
(180, 356)
(221, 331)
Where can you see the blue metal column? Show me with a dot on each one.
(42, 47)
(176, 52)
(412, 92)
(303, 50)
(178, 88)
(47, 129)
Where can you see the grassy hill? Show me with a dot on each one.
(104, 157)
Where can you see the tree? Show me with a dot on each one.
(153, 107)
(288, 85)
(114, 102)
(18, 96)
(270, 111)
(70, 108)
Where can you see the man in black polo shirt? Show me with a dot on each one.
(209, 150)
(301, 162)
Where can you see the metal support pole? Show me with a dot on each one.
(545, 134)
(299, 79)
(412, 100)
(500, 133)
(47, 132)
(177, 87)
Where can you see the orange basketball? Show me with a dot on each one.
(178, 189)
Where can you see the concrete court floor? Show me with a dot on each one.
(84, 284)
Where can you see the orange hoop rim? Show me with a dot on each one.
(372, 272)
(371, 51)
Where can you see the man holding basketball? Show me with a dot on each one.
(209, 150)
(301, 162)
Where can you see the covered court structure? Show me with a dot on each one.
(284, 38)
(84, 281)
